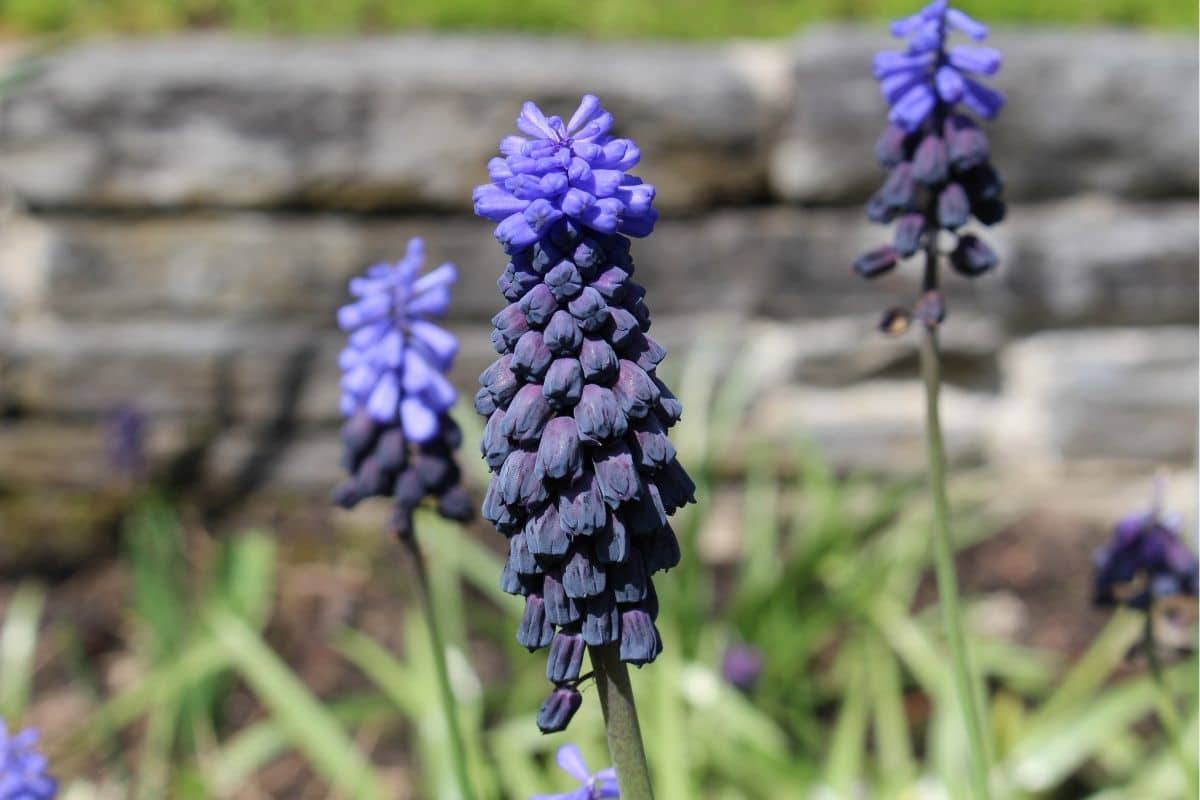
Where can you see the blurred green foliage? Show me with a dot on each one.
(674, 19)
(854, 700)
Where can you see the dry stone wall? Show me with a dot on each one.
(183, 214)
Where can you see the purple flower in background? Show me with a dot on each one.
(939, 175)
(394, 365)
(584, 476)
(564, 171)
(125, 440)
(600, 786)
(1145, 561)
(742, 666)
(399, 440)
(915, 81)
(23, 773)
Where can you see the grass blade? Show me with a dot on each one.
(310, 727)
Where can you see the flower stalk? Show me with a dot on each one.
(1168, 717)
(438, 646)
(621, 723)
(947, 577)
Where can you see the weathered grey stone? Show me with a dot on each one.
(1084, 261)
(876, 426)
(404, 121)
(1100, 394)
(1107, 111)
(211, 371)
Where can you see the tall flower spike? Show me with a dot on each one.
(937, 157)
(584, 477)
(23, 770)
(398, 439)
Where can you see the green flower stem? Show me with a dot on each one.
(1168, 717)
(947, 578)
(621, 723)
(449, 703)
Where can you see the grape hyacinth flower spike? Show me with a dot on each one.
(1147, 567)
(1146, 562)
(939, 177)
(399, 439)
(23, 770)
(938, 159)
(584, 476)
(601, 786)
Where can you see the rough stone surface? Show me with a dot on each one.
(1127, 394)
(380, 123)
(409, 121)
(1089, 260)
(1106, 111)
(195, 216)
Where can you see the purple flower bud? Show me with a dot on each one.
(562, 334)
(582, 577)
(527, 415)
(520, 481)
(581, 508)
(611, 283)
(891, 147)
(742, 665)
(899, 191)
(931, 163)
(561, 608)
(663, 552)
(564, 383)
(555, 714)
(520, 557)
(953, 209)
(566, 657)
(558, 452)
(635, 391)
(535, 630)
(966, 145)
(495, 446)
(455, 503)
(545, 536)
(598, 360)
(538, 305)
(650, 446)
(616, 474)
(510, 324)
(624, 325)
(989, 212)
(640, 642)
(531, 357)
(602, 620)
(972, 257)
(1145, 561)
(564, 281)
(590, 309)
(629, 580)
(876, 262)
(612, 542)
(598, 415)
(500, 380)
(907, 239)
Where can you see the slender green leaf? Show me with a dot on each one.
(310, 727)
(18, 647)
